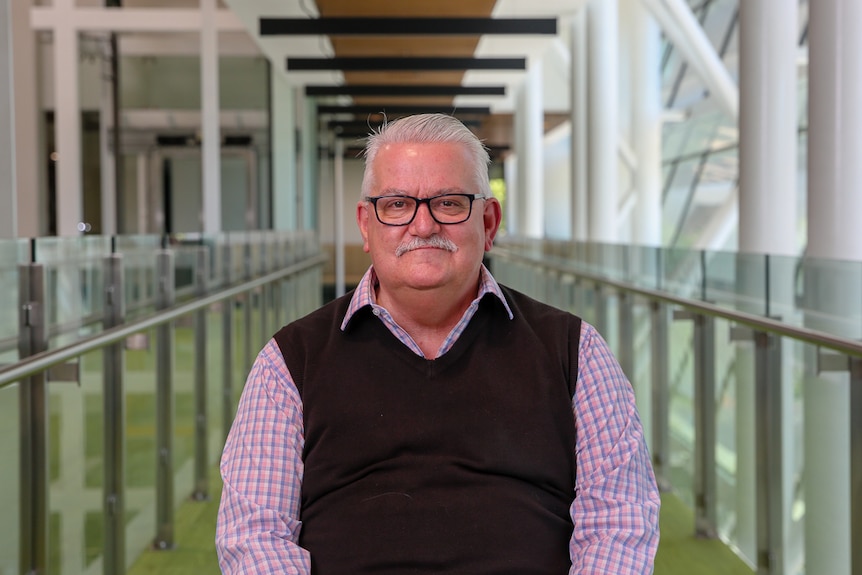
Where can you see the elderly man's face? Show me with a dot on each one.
(426, 170)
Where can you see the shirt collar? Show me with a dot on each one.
(364, 294)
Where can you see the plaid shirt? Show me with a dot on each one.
(614, 507)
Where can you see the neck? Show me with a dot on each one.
(427, 315)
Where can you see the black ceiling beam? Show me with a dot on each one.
(368, 124)
(406, 63)
(368, 26)
(363, 128)
(456, 111)
(404, 90)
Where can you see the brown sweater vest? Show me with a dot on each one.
(462, 464)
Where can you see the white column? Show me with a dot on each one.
(646, 124)
(338, 203)
(834, 205)
(580, 125)
(768, 221)
(107, 166)
(29, 138)
(603, 24)
(768, 127)
(510, 170)
(310, 165)
(515, 193)
(67, 124)
(142, 191)
(284, 166)
(8, 204)
(533, 151)
(210, 120)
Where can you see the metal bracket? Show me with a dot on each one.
(65, 373)
(831, 362)
(683, 314)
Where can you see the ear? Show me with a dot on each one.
(362, 214)
(491, 216)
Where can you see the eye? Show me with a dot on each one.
(395, 203)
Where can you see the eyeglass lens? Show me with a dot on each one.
(446, 209)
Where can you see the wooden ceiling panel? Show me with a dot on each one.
(453, 8)
(404, 45)
(418, 77)
(383, 101)
(495, 130)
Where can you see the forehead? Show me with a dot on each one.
(412, 166)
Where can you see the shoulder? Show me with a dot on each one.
(320, 319)
(533, 311)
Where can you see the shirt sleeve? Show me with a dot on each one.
(258, 520)
(615, 510)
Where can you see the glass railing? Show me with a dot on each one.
(748, 375)
(123, 362)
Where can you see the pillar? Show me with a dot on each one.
(834, 205)
(603, 37)
(768, 112)
(310, 165)
(210, 120)
(580, 122)
(8, 205)
(67, 124)
(646, 124)
(283, 118)
(533, 192)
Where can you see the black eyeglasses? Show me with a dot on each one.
(445, 209)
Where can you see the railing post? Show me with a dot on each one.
(247, 311)
(768, 447)
(264, 296)
(856, 465)
(660, 395)
(201, 489)
(705, 488)
(227, 351)
(626, 341)
(600, 301)
(114, 408)
(33, 405)
(165, 294)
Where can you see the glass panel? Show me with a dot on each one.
(683, 272)
(74, 284)
(75, 469)
(795, 356)
(12, 254)
(184, 409)
(139, 264)
(139, 378)
(829, 296)
(681, 410)
(10, 488)
(730, 373)
(215, 381)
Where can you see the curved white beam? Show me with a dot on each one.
(679, 23)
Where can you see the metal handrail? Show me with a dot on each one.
(760, 323)
(44, 360)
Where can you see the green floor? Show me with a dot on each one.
(679, 552)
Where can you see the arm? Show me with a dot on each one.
(615, 510)
(261, 466)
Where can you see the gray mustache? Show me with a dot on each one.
(432, 242)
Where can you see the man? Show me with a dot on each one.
(433, 421)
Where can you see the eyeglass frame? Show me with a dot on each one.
(420, 201)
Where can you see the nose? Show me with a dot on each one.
(424, 224)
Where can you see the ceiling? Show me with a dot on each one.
(496, 128)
